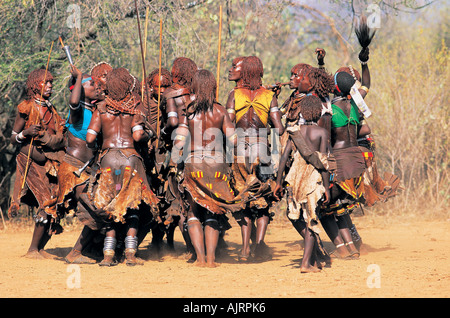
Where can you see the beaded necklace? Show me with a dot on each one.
(47, 105)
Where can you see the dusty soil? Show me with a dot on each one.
(409, 259)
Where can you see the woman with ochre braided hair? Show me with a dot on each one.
(207, 180)
(122, 186)
(39, 132)
(253, 108)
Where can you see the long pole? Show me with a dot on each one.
(218, 53)
(142, 53)
(159, 82)
(145, 51)
(31, 142)
(3, 219)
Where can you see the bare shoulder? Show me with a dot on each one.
(219, 109)
(101, 106)
(320, 131)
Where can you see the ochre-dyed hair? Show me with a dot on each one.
(183, 70)
(35, 78)
(204, 87)
(119, 83)
(166, 75)
(322, 83)
(100, 69)
(136, 89)
(238, 59)
(311, 108)
(252, 72)
(348, 69)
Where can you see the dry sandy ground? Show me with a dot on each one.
(409, 259)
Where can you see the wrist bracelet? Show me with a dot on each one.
(363, 63)
(21, 137)
(273, 109)
(92, 132)
(136, 128)
(17, 139)
(76, 107)
(364, 88)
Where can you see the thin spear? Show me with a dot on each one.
(159, 82)
(145, 50)
(31, 142)
(142, 54)
(218, 54)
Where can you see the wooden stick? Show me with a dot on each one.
(46, 68)
(3, 219)
(61, 41)
(159, 82)
(38, 118)
(145, 51)
(142, 53)
(1, 211)
(218, 53)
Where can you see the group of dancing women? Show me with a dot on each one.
(134, 158)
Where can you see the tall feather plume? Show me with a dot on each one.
(363, 33)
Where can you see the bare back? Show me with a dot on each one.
(346, 136)
(208, 128)
(115, 128)
(316, 136)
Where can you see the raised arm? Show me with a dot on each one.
(320, 57)
(75, 95)
(365, 73)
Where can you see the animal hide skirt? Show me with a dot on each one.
(253, 171)
(350, 169)
(208, 181)
(122, 184)
(377, 188)
(68, 181)
(39, 182)
(305, 191)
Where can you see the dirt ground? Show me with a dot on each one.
(408, 259)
